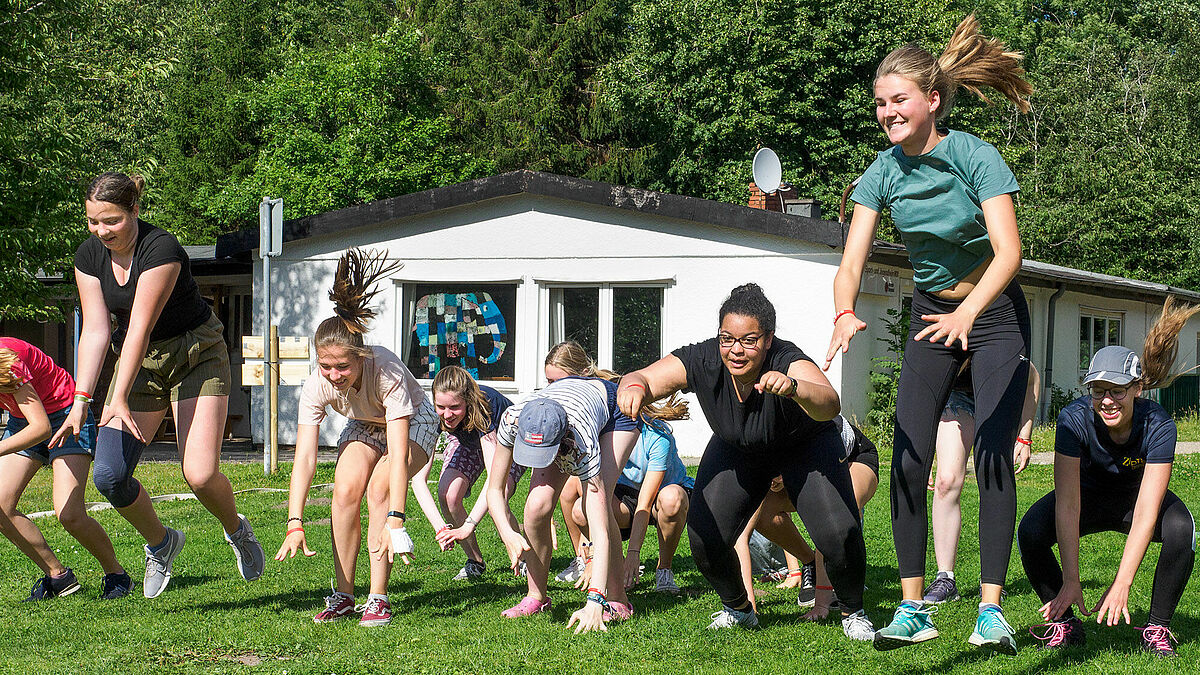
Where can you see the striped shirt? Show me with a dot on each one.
(586, 402)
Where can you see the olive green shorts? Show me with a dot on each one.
(193, 364)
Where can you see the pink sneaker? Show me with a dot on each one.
(526, 607)
(619, 611)
(377, 612)
(337, 606)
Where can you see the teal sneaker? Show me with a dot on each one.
(993, 632)
(910, 624)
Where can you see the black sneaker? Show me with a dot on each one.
(116, 585)
(943, 589)
(48, 587)
(1060, 634)
(1157, 640)
(807, 596)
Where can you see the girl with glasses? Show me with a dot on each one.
(1113, 453)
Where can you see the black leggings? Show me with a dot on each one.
(1105, 511)
(998, 346)
(730, 486)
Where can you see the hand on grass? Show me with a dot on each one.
(1114, 603)
(589, 617)
(293, 544)
(1070, 594)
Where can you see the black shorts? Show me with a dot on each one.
(864, 452)
(629, 497)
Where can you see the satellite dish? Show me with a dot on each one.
(768, 172)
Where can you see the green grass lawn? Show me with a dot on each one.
(210, 620)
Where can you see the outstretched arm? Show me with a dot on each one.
(859, 240)
(304, 466)
(1115, 602)
(657, 380)
(37, 428)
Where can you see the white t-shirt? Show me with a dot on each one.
(586, 404)
(386, 391)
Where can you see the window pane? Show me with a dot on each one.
(1098, 334)
(469, 325)
(1114, 332)
(1085, 342)
(581, 318)
(637, 328)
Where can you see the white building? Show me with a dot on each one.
(634, 274)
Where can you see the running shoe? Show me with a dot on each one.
(51, 587)
(474, 569)
(159, 563)
(247, 550)
(664, 582)
(572, 572)
(115, 585)
(729, 618)
(942, 589)
(377, 612)
(992, 632)
(910, 624)
(1157, 640)
(808, 586)
(773, 576)
(620, 611)
(1059, 634)
(527, 607)
(337, 607)
(857, 626)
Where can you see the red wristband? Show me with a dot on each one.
(823, 588)
(842, 313)
(795, 574)
(80, 392)
(636, 384)
(1025, 441)
(294, 529)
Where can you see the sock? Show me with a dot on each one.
(162, 544)
(376, 596)
(946, 573)
(915, 604)
(60, 576)
(988, 605)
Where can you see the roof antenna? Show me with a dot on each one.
(768, 174)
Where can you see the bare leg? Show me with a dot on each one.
(349, 485)
(453, 489)
(566, 501)
(954, 438)
(671, 509)
(15, 473)
(377, 506)
(545, 486)
(70, 477)
(199, 423)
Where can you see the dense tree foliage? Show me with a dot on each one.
(329, 104)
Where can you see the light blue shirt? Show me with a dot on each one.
(655, 451)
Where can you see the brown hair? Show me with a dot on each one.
(115, 187)
(970, 60)
(1162, 343)
(351, 294)
(456, 380)
(8, 381)
(573, 358)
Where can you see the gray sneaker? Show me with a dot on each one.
(158, 564)
(247, 550)
(728, 618)
(942, 589)
(474, 569)
(572, 572)
(857, 626)
(664, 582)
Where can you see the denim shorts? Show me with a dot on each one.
(959, 403)
(42, 452)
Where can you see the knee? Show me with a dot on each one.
(947, 487)
(201, 479)
(1179, 530)
(537, 510)
(578, 515)
(377, 492)
(1032, 533)
(346, 498)
(117, 486)
(71, 516)
(672, 503)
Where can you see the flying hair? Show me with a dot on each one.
(970, 60)
(456, 380)
(352, 292)
(1162, 343)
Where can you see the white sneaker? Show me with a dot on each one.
(474, 569)
(728, 618)
(159, 563)
(664, 582)
(858, 627)
(572, 572)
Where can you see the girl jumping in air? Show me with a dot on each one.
(1113, 452)
(950, 196)
(171, 352)
(38, 396)
(390, 435)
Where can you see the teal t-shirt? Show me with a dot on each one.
(655, 451)
(935, 202)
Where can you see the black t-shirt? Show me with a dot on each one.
(498, 403)
(763, 422)
(1104, 464)
(185, 309)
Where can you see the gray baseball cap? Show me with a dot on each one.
(540, 428)
(1116, 364)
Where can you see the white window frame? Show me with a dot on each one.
(604, 327)
(1093, 313)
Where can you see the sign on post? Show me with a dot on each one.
(270, 243)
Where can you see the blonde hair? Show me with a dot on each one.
(456, 380)
(572, 358)
(115, 187)
(8, 381)
(1162, 343)
(353, 289)
(970, 61)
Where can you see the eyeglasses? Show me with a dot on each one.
(749, 342)
(1115, 393)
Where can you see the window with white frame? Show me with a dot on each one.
(472, 325)
(1097, 329)
(620, 325)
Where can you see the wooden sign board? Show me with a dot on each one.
(290, 373)
(289, 347)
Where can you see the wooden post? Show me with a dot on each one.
(273, 371)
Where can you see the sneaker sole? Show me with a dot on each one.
(885, 643)
(1004, 645)
(938, 602)
(68, 590)
(341, 617)
(806, 604)
(374, 623)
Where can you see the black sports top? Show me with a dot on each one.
(1104, 464)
